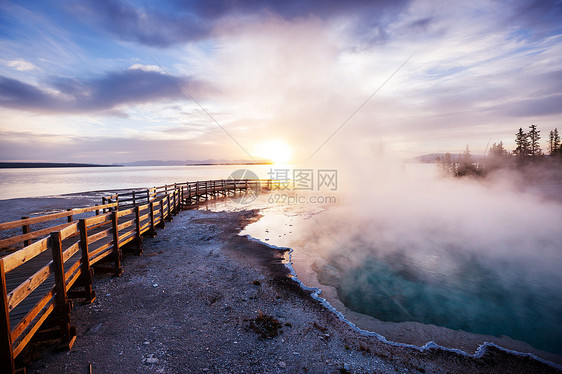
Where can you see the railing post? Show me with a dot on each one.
(63, 306)
(174, 203)
(70, 216)
(25, 230)
(162, 222)
(138, 231)
(117, 253)
(152, 227)
(6, 352)
(169, 208)
(134, 201)
(87, 271)
(103, 203)
(197, 191)
(97, 211)
(181, 197)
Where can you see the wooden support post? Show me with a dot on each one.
(6, 352)
(173, 210)
(162, 222)
(103, 203)
(70, 216)
(197, 191)
(152, 227)
(138, 231)
(169, 208)
(97, 211)
(25, 230)
(117, 253)
(117, 201)
(63, 305)
(89, 294)
(147, 195)
(181, 197)
(134, 201)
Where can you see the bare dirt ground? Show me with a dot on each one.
(202, 299)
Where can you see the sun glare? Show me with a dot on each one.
(276, 151)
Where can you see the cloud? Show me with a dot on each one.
(104, 93)
(145, 67)
(151, 26)
(20, 65)
(535, 107)
(179, 22)
(24, 145)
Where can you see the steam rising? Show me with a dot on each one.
(406, 244)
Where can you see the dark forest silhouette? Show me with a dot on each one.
(527, 154)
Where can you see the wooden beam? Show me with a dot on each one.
(138, 236)
(6, 352)
(63, 306)
(87, 281)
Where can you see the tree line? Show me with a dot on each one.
(527, 150)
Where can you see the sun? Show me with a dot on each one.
(277, 151)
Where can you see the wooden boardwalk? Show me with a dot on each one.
(42, 270)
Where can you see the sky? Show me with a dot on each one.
(110, 81)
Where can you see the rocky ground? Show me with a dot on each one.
(201, 298)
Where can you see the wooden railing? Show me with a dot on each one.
(38, 280)
(49, 223)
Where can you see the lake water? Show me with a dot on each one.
(17, 183)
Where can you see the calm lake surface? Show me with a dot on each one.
(36, 182)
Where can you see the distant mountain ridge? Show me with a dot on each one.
(193, 162)
(15, 165)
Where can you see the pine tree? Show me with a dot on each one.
(447, 164)
(465, 166)
(534, 136)
(497, 156)
(498, 150)
(555, 147)
(522, 143)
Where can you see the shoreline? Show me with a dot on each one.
(303, 265)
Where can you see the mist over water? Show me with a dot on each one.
(483, 256)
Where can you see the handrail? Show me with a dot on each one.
(96, 238)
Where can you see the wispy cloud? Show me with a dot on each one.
(20, 64)
(107, 92)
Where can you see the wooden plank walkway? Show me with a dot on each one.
(38, 280)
